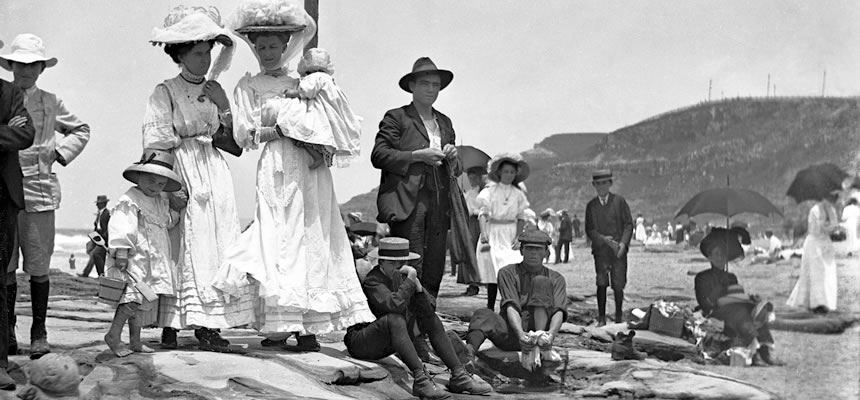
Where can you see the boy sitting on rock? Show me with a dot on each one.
(398, 300)
(533, 302)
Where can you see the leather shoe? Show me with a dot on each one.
(463, 382)
(423, 387)
(6, 381)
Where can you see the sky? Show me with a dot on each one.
(523, 70)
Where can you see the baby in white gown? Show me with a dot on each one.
(326, 126)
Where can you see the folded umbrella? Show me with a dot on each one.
(461, 238)
(472, 157)
(816, 182)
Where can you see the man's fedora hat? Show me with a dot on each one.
(601, 175)
(101, 199)
(393, 248)
(423, 66)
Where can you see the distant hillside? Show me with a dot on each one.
(664, 160)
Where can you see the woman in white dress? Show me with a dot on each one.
(184, 115)
(816, 288)
(641, 234)
(851, 223)
(296, 252)
(501, 217)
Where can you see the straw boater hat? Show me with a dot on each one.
(156, 162)
(54, 376)
(522, 167)
(393, 248)
(314, 60)
(601, 175)
(27, 48)
(196, 24)
(424, 66)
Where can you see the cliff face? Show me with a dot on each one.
(661, 162)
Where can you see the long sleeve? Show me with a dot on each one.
(247, 115)
(386, 155)
(626, 222)
(158, 130)
(75, 133)
(122, 229)
(310, 85)
(383, 301)
(591, 228)
(16, 138)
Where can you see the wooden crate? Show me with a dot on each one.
(111, 290)
(671, 326)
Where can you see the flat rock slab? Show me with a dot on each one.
(595, 374)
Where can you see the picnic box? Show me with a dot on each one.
(669, 326)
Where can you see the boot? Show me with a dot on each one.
(424, 388)
(619, 305)
(211, 340)
(168, 338)
(11, 295)
(462, 382)
(113, 338)
(304, 343)
(471, 290)
(622, 347)
(423, 350)
(6, 381)
(601, 306)
(38, 333)
(765, 352)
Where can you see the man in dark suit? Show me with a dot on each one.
(609, 226)
(415, 150)
(16, 133)
(99, 249)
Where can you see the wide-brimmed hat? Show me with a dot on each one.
(534, 238)
(269, 16)
(56, 376)
(549, 212)
(316, 59)
(191, 24)
(601, 175)
(734, 295)
(101, 199)
(513, 158)
(393, 248)
(27, 48)
(729, 239)
(156, 162)
(423, 66)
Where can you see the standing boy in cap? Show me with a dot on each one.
(16, 133)
(27, 61)
(533, 298)
(609, 225)
(100, 227)
(415, 150)
(398, 299)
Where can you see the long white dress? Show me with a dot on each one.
(139, 223)
(503, 205)
(817, 284)
(175, 120)
(851, 223)
(296, 251)
(641, 234)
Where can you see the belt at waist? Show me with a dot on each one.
(502, 221)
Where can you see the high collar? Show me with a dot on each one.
(192, 78)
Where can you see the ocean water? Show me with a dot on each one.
(69, 241)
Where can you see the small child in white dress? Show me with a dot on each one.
(326, 127)
(140, 247)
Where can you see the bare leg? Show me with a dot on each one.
(113, 337)
(134, 335)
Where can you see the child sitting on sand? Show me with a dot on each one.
(326, 126)
(139, 245)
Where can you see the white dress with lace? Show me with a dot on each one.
(817, 284)
(296, 252)
(139, 223)
(503, 205)
(175, 120)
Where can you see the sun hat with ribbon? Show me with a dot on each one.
(314, 60)
(156, 162)
(393, 248)
(277, 16)
(424, 66)
(196, 24)
(516, 159)
(27, 48)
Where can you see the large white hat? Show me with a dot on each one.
(27, 48)
(156, 162)
(255, 16)
(197, 24)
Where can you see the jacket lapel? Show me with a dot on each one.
(412, 112)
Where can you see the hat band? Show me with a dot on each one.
(151, 160)
(393, 253)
